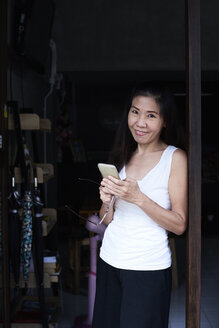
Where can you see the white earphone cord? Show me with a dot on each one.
(107, 210)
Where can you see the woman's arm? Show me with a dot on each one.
(174, 220)
(106, 199)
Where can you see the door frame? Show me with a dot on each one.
(193, 104)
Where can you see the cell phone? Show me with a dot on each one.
(108, 169)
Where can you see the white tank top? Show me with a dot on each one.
(132, 240)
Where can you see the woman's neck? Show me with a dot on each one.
(143, 149)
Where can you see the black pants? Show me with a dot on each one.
(131, 299)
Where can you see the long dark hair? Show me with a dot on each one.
(125, 145)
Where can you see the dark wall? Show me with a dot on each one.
(29, 88)
(119, 35)
(103, 48)
(131, 35)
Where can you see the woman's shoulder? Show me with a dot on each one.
(176, 151)
(180, 153)
(179, 158)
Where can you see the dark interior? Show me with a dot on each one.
(80, 81)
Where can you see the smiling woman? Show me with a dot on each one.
(163, 103)
(134, 270)
(144, 120)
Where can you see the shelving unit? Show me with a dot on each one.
(45, 125)
(45, 172)
(47, 169)
(49, 278)
(49, 220)
(32, 281)
(48, 224)
(30, 122)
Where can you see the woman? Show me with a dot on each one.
(134, 275)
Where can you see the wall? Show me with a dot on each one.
(130, 35)
(29, 88)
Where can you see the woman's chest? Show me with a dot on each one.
(139, 167)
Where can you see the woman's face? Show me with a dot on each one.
(144, 120)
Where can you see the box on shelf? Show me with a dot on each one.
(49, 220)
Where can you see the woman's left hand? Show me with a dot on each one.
(127, 189)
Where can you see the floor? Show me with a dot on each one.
(76, 305)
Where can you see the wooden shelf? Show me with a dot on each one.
(47, 225)
(27, 325)
(17, 173)
(45, 172)
(30, 122)
(32, 281)
(55, 276)
(48, 278)
(52, 219)
(48, 170)
(45, 125)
